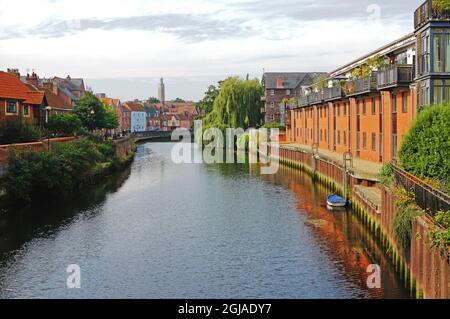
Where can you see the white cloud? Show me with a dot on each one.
(238, 40)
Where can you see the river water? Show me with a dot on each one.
(161, 230)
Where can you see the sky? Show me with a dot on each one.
(122, 48)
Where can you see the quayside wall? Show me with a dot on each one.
(423, 269)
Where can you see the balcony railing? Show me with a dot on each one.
(362, 86)
(429, 11)
(302, 101)
(399, 75)
(333, 93)
(315, 98)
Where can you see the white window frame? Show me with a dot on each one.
(6, 107)
(272, 92)
(26, 106)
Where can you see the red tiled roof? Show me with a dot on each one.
(134, 107)
(12, 88)
(35, 97)
(55, 101)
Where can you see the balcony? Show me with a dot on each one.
(315, 98)
(429, 11)
(333, 93)
(397, 76)
(362, 86)
(303, 101)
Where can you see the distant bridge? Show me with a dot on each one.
(152, 136)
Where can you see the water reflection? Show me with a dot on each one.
(192, 231)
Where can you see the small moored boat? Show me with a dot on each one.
(335, 201)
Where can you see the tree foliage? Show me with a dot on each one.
(207, 103)
(238, 104)
(425, 151)
(64, 124)
(57, 172)
(153, 100)
(178, 100)
(93, 113)
(15, 130)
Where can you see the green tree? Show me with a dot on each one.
(94, 114)
(64, 124)
(206, 104)
(178, 100)
(153, 100)
(238, 104)
(425, 151)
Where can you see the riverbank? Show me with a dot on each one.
(62, 170)
(422, 269)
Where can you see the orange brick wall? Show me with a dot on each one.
(378, 124)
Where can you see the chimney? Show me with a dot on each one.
(33, 79)
(14, 72)
(51, 86)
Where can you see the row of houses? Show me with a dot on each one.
(141, 116)
(33, 99)
(366, 107)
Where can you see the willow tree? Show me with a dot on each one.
(238, 104)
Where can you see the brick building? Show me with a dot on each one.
(280, 88)
(368, 115)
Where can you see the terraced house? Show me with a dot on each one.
(366, 107)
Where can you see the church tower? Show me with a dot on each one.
(162, 92)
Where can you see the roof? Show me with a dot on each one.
(55, 101)
(35, 97)
(288, 80)
(401, 43)
(12, 88)
(134, 106)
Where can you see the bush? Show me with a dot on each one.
(64, 124)
(15, 131)
(425, 151)
(58, 172)
(406, 212)
(440, 237)
(387, 175)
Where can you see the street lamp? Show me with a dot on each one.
(48, 109)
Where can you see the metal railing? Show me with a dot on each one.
(429, 11)
(427, 197)
(332, 93)
(315, 97)
(395, 76)
(361, 86)
(302, 101)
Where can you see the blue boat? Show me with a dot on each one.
(336, 201)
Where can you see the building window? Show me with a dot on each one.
(288, 92)
(405, 102)
(272, 105)
(272, 92)
(394, 103)
(26, 110)
(374, 109)
(374, 142)
(364, 140)
(438, 58)
(11, 107)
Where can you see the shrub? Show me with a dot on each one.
(406, 212)
(58, 172)
(274, 125)
(387, 175)
(425, 151)
(64, 124)
(440, 236)
(15, 131)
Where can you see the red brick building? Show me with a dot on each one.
(368, 115)
(17, 100)
(280, 88)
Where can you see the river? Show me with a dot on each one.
(161, 230)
